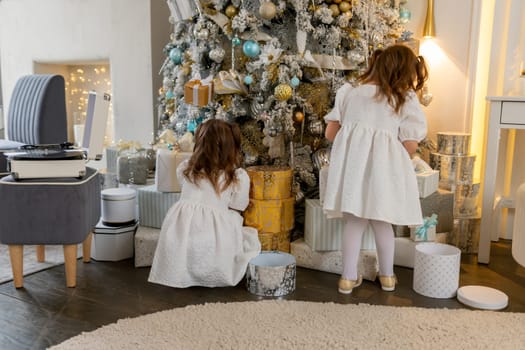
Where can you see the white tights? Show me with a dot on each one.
(353, 230)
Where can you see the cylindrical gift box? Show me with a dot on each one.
(465, 235)
(275, 241)
(453, 143)
(270, 182)
(453, 169)
(466, 200)
(436, 270)
(271, 274)
(118, 205)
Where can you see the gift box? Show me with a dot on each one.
(322, 234)
(440, 203)
(323, 178)
(271, 216)
(427, 182)
(146, 240)
(405, 249)
(166, 165)
(275, 241)
(332, 261)
(112, 243)
(111, 159)
(270, 182)
(229, 82)
(425, 232)
(153, 205)
(198, 92)
(465, 235)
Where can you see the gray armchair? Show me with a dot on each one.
(36, 114)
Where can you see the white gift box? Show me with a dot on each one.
(436, 270)
(166, 166)
(332, 261)
(427, 182)
(323, 234)
(153, 205)
(112, 243)
(405, 249)
(430, 236)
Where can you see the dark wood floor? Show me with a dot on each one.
(45, 312)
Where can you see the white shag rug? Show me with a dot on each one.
(54, 256)
(280, 324)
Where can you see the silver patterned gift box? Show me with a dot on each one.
(332, 261)
(453, 169)
(323, 234)
(271, 273)
(453, 143)
(146, 239)
(465, 235)
(153, 205)
(466, 201)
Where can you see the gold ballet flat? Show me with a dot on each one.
(388, 283)
(346, 286)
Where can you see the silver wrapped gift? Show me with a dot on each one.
(271, 273)
(453, 169)
(466, 200)
(453, 143)
(465, 235)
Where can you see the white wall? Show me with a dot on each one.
(79, 31)
(448, 58)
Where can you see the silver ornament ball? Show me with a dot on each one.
(217, 54)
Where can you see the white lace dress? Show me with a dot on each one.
(370, 173)
(202, 240)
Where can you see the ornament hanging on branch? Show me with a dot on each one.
(268, 10)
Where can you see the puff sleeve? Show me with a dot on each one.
(335, 115)
(179, 172)
(413, 126)
(241, 191)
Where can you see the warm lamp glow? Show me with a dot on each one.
(429, 29)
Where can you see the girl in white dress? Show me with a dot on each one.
(202, 240)
(375, 128)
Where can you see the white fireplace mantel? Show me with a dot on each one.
(129, 35)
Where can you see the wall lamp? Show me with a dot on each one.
(429, 30)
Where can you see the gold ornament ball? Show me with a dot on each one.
(268, 10)
(345, 6)
(230, 11)
(298, 117)
(162, 91)
(335, 10)
(283, 92)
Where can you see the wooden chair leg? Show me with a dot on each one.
(70, 262)
(16, 254)
(86, 248)
(40, 253)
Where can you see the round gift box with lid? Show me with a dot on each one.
(436, 270)
(453, 143)
(118, 205)
(271, 273)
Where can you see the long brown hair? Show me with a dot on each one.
(217, 151)
(395, 70)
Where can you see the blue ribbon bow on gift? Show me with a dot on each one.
(428, 222)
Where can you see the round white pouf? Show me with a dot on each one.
(436, 270)
(481, 297)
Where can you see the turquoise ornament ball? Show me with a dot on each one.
(192, 125)
(295, 82)
(251, 49)
(248, 79)
(404, 15)
(236, 41)
(169, 94)
(176, 55)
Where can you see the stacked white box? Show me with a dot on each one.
(323, 234)
(427, 182)
(332, 261)
(153, 205)
(113, 243)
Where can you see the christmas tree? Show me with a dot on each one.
(273, 67)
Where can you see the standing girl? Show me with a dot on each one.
(202, 240)
(375, 128)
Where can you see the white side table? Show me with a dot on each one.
(506, 112)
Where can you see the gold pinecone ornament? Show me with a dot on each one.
(283, 92)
